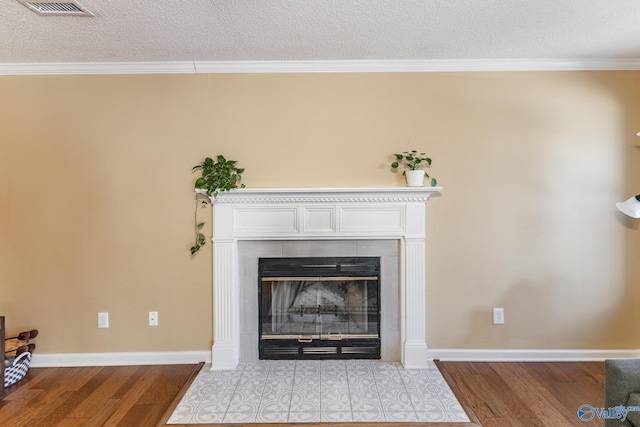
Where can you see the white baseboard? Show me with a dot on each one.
(498, 355)
(449, 355)
(120, 359)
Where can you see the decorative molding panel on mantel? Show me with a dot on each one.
(279, 214)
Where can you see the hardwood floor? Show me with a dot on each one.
(499, 394)
(95, 396)
(529, 393)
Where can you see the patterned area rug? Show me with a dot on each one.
(319, 391)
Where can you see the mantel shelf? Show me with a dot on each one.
(266, 195)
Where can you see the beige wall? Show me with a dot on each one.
(96, 196)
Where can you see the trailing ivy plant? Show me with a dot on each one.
(217, 175)
(412, 160)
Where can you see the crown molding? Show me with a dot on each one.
(357, 66)
(67, 68)
(407, 66)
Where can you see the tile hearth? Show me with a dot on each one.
(319, 391)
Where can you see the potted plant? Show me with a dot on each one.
(217, 175)
(413, 162)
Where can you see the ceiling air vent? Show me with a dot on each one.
(64, 7)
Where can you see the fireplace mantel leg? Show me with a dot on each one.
(414, 347)
(225, 349)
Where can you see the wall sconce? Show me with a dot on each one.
(631, 207)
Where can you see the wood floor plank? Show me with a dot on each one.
(143, 415)
(11, 410)
(513, 403)
(539, 399)
(94, 379)
(467, 383)
(57, 387)
(73, 422)
(109, 380)
(103, 414)
(143, 380)
(164, 385)
(563, 378)
(92, 396)
(39, 415)
(537, 387)
(485, 401)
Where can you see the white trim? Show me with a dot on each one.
(350, 66)
(448, 355)
(426, 65)
(66, 68)
(120, 359)
(507, 355)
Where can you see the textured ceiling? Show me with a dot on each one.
(288, 30)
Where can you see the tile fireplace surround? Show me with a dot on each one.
(280, 216)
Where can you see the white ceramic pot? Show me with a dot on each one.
(415, 178)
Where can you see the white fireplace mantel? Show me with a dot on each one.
(320, 214)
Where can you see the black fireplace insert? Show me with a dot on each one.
(319, 308)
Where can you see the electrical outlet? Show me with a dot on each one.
(498, 316)
(103, 319)
(153, 318)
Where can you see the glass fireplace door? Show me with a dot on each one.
(330, 315)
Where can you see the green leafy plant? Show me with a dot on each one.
(217, 175)
(413, 160)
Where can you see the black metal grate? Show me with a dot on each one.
(71, 8)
